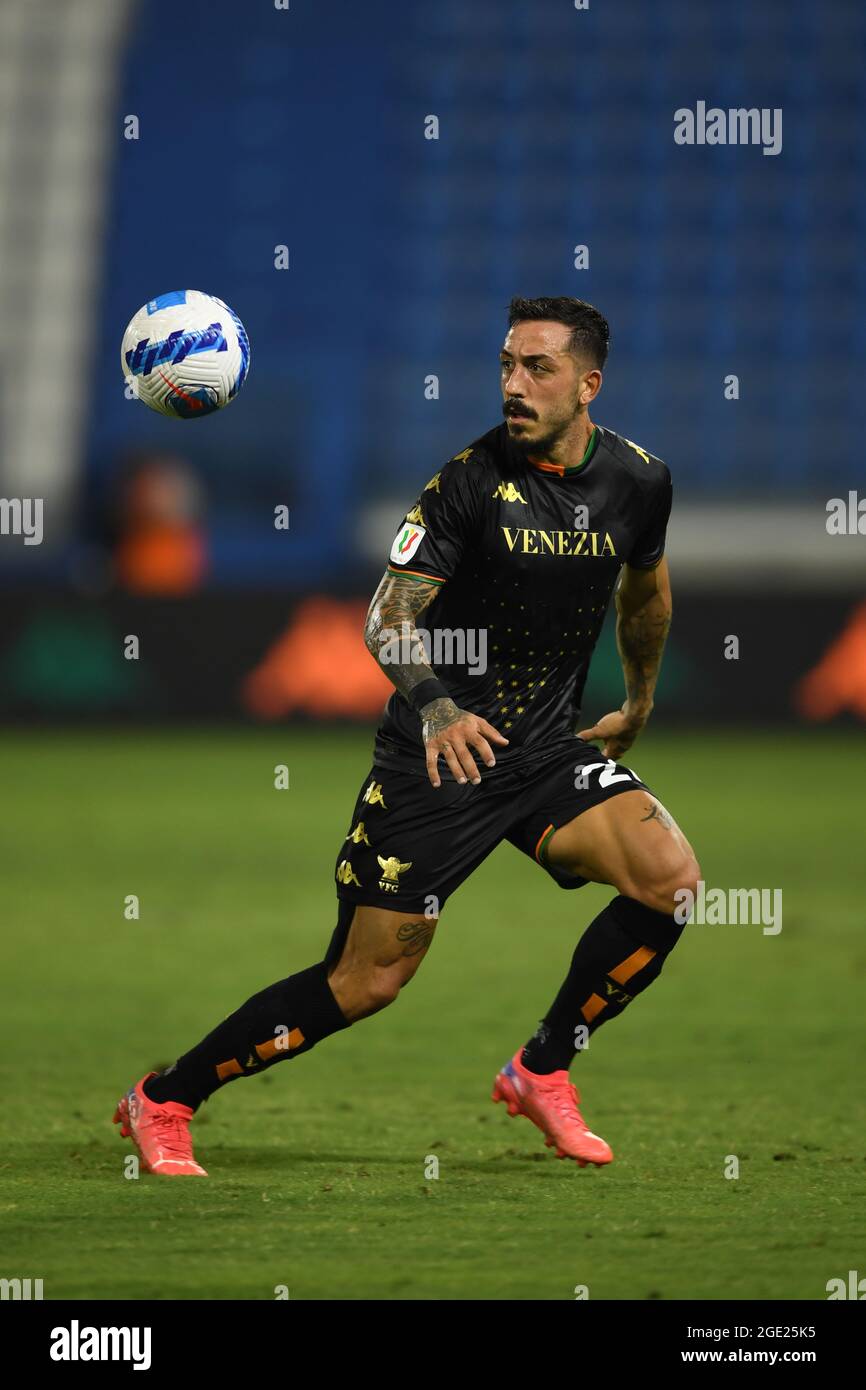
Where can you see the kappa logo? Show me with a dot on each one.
(358, 836)
(638, 450)
(434, 483)
(416, 516)
(509, 493)
(391, 870)
(462, 458)
(373, 795)
(346, 874)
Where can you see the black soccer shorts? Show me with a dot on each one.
(411, 844)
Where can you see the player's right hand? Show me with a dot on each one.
(449, 732)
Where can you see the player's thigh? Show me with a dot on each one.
(631, 842)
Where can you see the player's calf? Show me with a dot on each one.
(372, 954)
(620, 954)
(632, 843)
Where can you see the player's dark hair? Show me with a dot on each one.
(590, 334)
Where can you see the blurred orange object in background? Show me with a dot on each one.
(319, 666)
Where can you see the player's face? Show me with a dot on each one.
(544, 386)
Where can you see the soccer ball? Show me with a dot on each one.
(185, 354)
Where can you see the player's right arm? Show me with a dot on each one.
(392, 637)
(432, 540)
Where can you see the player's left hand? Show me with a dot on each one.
(618, 729)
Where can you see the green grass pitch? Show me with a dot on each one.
(748, 1045)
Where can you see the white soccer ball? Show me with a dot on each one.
(185, 354)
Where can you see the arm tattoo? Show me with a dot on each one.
(390, 625)
(659, 814)
(417, 935)
(640, 637)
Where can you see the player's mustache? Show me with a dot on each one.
(515, 408)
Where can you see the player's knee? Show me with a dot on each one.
(662, 884)
(360, 994)
(379, 986)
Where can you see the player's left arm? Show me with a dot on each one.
(643, 618)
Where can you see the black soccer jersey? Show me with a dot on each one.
(527, 557)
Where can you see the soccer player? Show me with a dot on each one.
(511, 553)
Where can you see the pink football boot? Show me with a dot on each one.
(159, 1132)
(551, 1102)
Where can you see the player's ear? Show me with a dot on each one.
(590, 386)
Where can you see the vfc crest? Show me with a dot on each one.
(391, 870)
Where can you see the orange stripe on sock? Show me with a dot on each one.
(230, 1068)
(593, 1006)
(287, 1042)
(631, 965)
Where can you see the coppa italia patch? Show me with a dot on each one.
(406, 542)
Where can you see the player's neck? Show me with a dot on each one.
(570, 450)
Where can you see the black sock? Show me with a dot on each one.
(621, 952)
(282, 1021)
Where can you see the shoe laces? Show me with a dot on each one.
(565, 1100)
(173, 1133)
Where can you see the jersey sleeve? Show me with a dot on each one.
(649, 547)
(436, 533)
